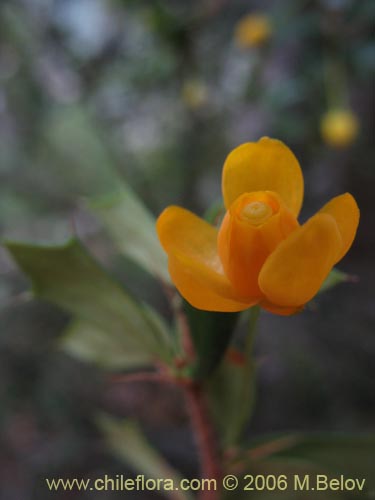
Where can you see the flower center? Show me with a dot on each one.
(256, 212)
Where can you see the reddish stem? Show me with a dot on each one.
(199, 413)
(142, 377)
(176, 306)
(200, 420)
(202, 425)
(206, 439)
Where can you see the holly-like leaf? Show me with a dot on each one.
(129, 444)
(72, 138)
(70, 277)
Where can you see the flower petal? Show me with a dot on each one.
(264, 165)
(281, 311)
(294, 272)
(194, 265)
(345, 211)
(200, 292)
(180, 230)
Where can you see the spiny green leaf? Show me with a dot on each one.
(72, 138)
(69, 277)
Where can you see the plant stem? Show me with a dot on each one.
(142, 377)
(201, 422)
(206, 439)
(181, 321)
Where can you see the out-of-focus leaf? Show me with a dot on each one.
(75, 141)
(127, 441)
(232, 386)
(214, 213)
(282, 470)
(73, 147)
(334, 278)
(211, 333)
(231, 392)
(110, 350)
(353, 455)
(350, 456)
(133, 229)
(69, 277)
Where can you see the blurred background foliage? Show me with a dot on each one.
(157, 93)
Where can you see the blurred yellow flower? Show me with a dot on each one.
(194, 93)
(260, 254)
(252, 30)
(339, 128)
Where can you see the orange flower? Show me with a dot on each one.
(260, 254)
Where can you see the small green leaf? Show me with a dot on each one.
(127, 441)
(132, 228)
(334, 278)
(68, 276)
(211, 333)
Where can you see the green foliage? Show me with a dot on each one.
(334, 278)
(71, 137)
(128, 442)
(132, 228)
(103, 347)
(345, 454)
(231, 392)
(69, 277)
(232, 387)
(211, 333)
(351, 456)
